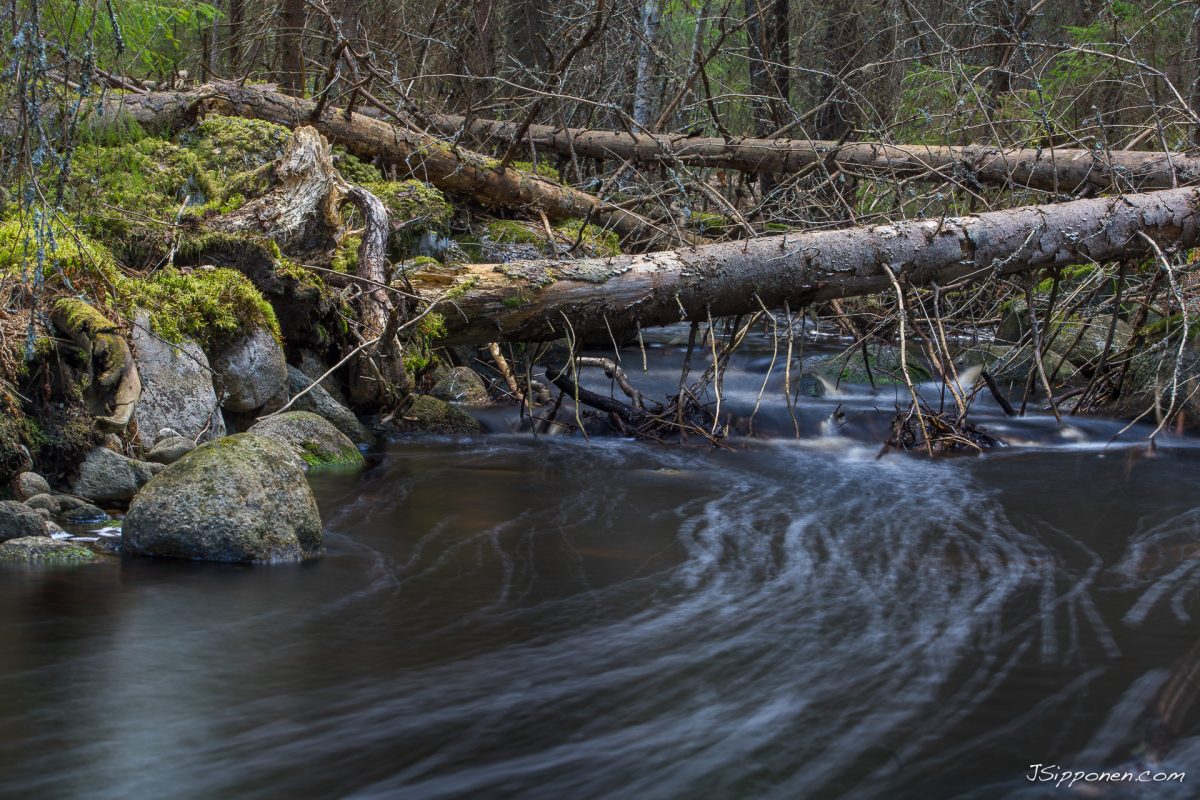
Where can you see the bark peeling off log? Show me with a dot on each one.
(533, 300)
(1065, 171)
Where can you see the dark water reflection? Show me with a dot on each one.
(503, 617)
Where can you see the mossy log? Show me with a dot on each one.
(535, 300)
(1058, 170)
(452, 169)
(115, 385)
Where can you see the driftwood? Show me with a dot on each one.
(1060, 170)
(115, 386)
(451, 169)
(546, 299)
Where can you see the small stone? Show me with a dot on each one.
(45, 502)
(44, 550)
(114, 443)
(429, 415)
(18, 520)
(170, 450)
(56, 531)
(166, 433)
(105, 546)
(462, 385)
(67, 502)
(44, 513)
(29, 484)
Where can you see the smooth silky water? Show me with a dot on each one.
(555, 617)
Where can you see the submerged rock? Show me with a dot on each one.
(243, 498)
(44, 550)
(323, 404)
(461, 385)
(29, 484)
(882, 368)
(18, 521)
(177, 388)
(311, 437)
(83, 514)
(429, 415)
(253, 371)
(105, 475)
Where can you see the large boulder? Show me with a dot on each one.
(18, 521)
(177, 388)
(252, 370)
(313, 438)
(243, 498)
(462, 385)
(43, 550)
(107, 476)
(323, 404)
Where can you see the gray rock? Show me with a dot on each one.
(323, 404)
(177, 388)
(18, 520)
(47, 502)
(83, 514)
(462, 385)
(114, 443)
(105, 475)
(243, 498)
(170, 450)
(314, 439)
(67, 502)
(44, 513)
(44, 550)
(312, 366)
(252, 371)
(429, 415)
(166, 433)
(28, 484)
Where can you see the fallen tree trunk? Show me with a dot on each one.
(449, 168)
(545, 299)
(1064, 171)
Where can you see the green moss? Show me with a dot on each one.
(542, 169)
(208, 305)
(67, 252)
(599, 241)
(305, 277)
(709, 221)
(509, 231)
(346, 257)
(110, 130)
(44, 550)
(232, 144)
(353, 169)
(413, 200)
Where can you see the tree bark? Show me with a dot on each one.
(451, 169)
(535, 300)
(290, 41)
(1067, 170)
(643, 90)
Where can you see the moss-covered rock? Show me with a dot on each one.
(233, 144)
(211, 306)
(411, 200)
(43, 550)
(313, 438)
(243, 498)
(881, 367)
(428, 414)
(461, 385)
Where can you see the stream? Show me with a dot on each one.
(510, 616)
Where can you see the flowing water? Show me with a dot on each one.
(554, 617)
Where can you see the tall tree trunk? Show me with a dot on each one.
(291, 46)
(528, 301)
(643, 90)
(838, 114)
(233, 47)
